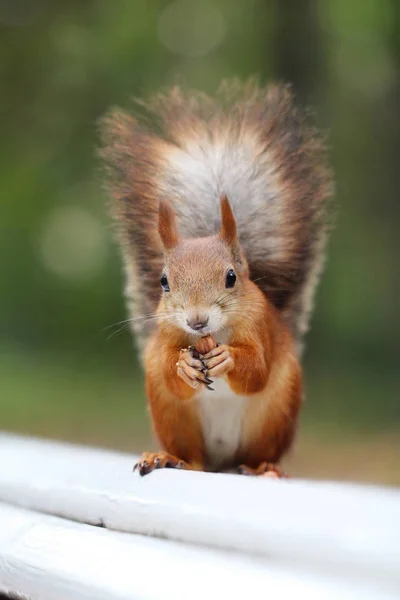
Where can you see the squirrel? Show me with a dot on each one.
(221, 205)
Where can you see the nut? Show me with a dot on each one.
(205, 344)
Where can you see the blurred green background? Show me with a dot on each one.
(65, 370)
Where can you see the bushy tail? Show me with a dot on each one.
(248, 142)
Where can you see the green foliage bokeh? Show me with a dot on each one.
(62, 65)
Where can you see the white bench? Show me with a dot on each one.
(76, 523)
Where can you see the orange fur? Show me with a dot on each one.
(167, 225)
(228, 228)
(264, 368)
(252, 143)
(270, 424)
(270, 234)
(173, 414)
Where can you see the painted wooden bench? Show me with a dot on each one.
(77, 523)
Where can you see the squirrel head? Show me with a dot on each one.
(203, 279)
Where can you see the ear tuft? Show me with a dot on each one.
(228, 227)
(167, 225)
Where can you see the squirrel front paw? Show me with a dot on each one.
(191, 369)
(218, 361)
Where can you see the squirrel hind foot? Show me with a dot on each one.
(265, 469)
(150, 461)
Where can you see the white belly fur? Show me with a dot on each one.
(221, 414)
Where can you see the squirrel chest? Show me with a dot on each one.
(221, 413)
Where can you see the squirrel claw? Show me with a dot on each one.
(191, 369)
(151, 461)
(195, 353)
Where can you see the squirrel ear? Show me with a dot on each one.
(228, 227)
(167, 225)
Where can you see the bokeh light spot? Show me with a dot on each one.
(73, 243)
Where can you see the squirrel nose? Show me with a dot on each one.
(197, 323)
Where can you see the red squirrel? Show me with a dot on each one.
(221, 205)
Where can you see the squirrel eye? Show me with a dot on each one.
(230, 279)
(164, 283)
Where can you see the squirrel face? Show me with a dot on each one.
(203, 278)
